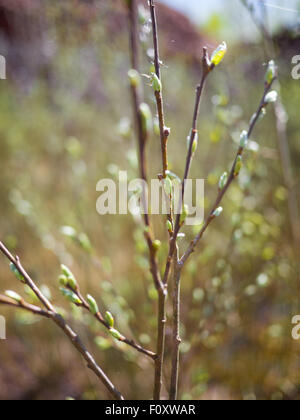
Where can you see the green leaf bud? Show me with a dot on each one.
(13, 295)
(156, 245)
(169, 226)
(271, 72)
(70, 277)
(218, 212)
(17, 273)
(184, 213)
(156, 83)
(109, 319)
(115, 334)
(71, 296)
(271, 97)
(238, 165)
(63, 281)
(218, 54)
(244, 139)
(223, 180)
(168, 186)
(92, 304)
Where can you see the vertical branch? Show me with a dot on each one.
(164, 135)
(176, 327)
(132, 8)
(206, 68)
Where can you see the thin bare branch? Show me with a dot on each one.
(231, 178)
(206, 68)
(164, 131)
(102, 321)
(176, 327)
(61, 323)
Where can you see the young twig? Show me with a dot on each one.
(206, 68)
(231, 178)
(58, 320)
(102, 321)
(164, 131)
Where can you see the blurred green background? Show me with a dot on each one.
(65, 123)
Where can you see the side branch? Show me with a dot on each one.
(231, 178)
(58, 320)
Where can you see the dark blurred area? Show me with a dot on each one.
(65, 123)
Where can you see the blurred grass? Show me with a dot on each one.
(59, 136)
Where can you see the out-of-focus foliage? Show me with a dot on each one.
(68, 127)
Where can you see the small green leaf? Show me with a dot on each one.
(109, 319)
(156, 83)
(17, 273)
(71, 296)
(169, 226)
(271, 72)
(238, 165)
(184, 213)
(168, 186)
(13, 295)
(218, 54)
(115, 334)
(223, 180)
(70, 276)
(93, 305)
(218, 212)
(244, 139)
(63, 281)
(156, 245)
(271, 97)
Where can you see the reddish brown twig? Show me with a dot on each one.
(60, 322)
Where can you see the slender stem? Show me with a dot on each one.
(205, 72)
(161, 333)
(231, 178)
(102, 321)
(164, 136)
(176, 328)
(164, 131)
(4, 300)
(61, 323)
